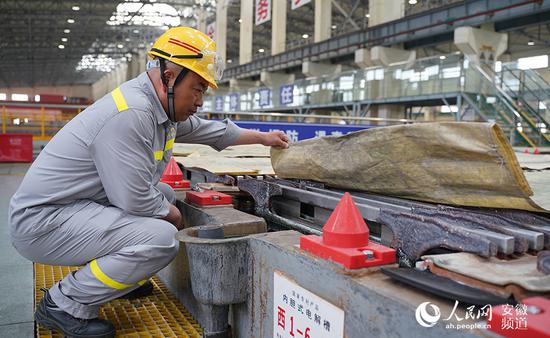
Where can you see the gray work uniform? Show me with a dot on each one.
(93, 196)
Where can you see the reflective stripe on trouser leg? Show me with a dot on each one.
(128, 249)
(120, 273)
(96, 271)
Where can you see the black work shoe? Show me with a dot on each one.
(52, 317)
(143, 291)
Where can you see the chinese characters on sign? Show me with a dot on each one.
(264, 97)
(234, 101)
(286, 94)
(320, 133)
(263, 11)
(298, 3)
(293, 135)
(219, 103)
(299, 313)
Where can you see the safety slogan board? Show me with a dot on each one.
(298, 313)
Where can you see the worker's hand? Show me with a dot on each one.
(275, 139)
(174, 217)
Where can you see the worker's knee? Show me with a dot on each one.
(164, 233)
(163, 237)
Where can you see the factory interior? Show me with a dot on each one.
(275, 168)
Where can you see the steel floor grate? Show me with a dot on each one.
(158, 315)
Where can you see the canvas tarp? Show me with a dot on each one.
(469, 164)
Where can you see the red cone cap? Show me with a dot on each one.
(537, 151)
(346, 228)
(172, 172)
(173, 176)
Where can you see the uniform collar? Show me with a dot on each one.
(146, 84)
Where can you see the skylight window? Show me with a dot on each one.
(150, 14)
(533, 62)
(99, 62)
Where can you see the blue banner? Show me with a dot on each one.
(234, 101)
(302, 131)
(286, 94)
(219, 103)
(264, 98)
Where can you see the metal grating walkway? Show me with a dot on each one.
(158, 315)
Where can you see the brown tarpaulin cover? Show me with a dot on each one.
(469, 164)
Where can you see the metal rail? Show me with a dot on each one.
(410, 226)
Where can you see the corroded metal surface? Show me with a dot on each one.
(262, 192)
(416, 226)
(511, 231)
(456, 218)
(199, 175)
(417, 234)
(520, 224)
(522, 219)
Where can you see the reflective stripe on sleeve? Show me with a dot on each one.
(119, 100)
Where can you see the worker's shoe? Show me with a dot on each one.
(49, 315)
(143, 291)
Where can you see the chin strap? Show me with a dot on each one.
(170, 89)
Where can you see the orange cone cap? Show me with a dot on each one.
(346, 228)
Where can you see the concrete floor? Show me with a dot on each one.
(538, 176)
(16, 276)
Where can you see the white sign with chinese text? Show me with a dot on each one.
(298, 3)
(263, 11)
(299, 313)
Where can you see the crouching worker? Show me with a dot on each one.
(93, 196)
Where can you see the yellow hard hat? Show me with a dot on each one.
(192, 49)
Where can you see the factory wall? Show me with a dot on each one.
(84, 91)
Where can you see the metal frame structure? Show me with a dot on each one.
(32, 30)
(422, 29)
